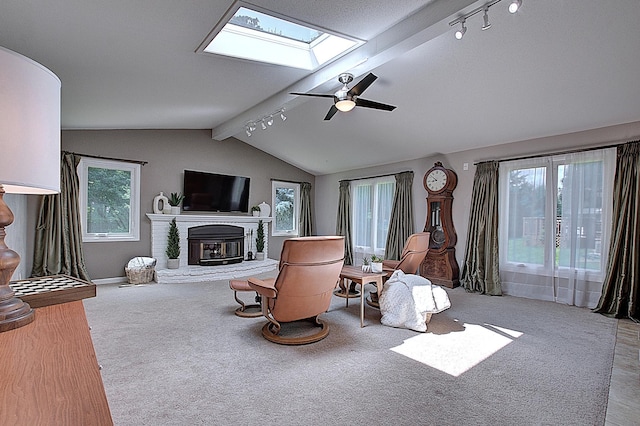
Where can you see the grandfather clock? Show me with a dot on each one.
(440, 265)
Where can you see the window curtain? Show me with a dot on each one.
(481, 269)
(306, 219)
(343, 225)
(58, 243)
(585, 184)
(555, 233)
(621, 284)
(401, 221)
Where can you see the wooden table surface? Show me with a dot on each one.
(358, 276)
(49, 374)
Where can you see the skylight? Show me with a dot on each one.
(258, 36)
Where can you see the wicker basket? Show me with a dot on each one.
(141, 270)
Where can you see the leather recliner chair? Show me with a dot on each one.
(308, 272)
(413, 253)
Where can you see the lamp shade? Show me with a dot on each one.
(29, 126)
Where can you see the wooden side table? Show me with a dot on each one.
(356, 275)
(49, 372)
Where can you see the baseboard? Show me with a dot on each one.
(114, 280)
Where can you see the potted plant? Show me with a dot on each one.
(173, 246)
(366, 264)
(174, 201)
(376, 264)
(260, 241)
(255, 210)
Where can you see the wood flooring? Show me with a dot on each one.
(623, 408)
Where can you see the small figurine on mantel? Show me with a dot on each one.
(265, 209)
(160, 202)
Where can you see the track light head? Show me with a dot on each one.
(282, 116)
(461, 31)
(270, 120)
(486, 24)
(264, 127)
(514, 6)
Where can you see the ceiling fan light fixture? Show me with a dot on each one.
(514, 6)
(347, 99)
(345, 105)
(461, 31)
(486, 24)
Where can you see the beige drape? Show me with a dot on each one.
(622, 280)
(306, 218)
(481, 272)
(401, 220)
(343, 223)
(58, 242)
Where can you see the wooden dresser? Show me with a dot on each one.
(49, 374)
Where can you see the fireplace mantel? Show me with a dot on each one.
(207, 218)
(160, 230)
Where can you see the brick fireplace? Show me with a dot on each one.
(247, 225)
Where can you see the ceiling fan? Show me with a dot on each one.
(346, 99)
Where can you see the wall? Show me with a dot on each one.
(168, 153)
(327, 186)
(15, 233)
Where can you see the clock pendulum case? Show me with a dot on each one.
(440, 265)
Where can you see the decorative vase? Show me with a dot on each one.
(160, 202)
(255, 213)
(265, 209)
(366, 268)
(167, 208)
(173, 263)
(260, 255)
(175, 210)
(376, 267)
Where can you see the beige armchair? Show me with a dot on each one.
(309, 271)
(414, 251)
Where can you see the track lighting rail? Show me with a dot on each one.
(473, 12)
(514, 6)
(264, 121)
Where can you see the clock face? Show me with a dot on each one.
(438, 237)
(436, 180)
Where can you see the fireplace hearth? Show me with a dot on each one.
(211, 245)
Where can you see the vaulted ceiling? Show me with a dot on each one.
(557, 66)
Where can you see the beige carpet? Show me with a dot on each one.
(175, 354)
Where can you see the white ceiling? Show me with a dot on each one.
(557, 66)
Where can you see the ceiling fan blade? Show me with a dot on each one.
(317, 95)
(331, 113)
(362, 85)
(372, 104)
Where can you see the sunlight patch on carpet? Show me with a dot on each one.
(457, 351)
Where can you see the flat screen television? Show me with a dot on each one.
(212, 192)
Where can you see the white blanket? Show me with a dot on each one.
(407, 299)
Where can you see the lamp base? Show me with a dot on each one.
(14, 313)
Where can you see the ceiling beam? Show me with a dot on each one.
(426, 24)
